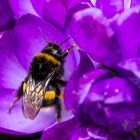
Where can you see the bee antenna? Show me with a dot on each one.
(64, 41)
(43, 34)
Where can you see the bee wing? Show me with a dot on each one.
(33, 96)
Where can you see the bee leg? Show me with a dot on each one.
(65, 53)
(59, 94)
(19, 95)
(13, 103)
(61, 82)
(58, 109)
(58, 102)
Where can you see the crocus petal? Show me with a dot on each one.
(61, 131)
(132, 65)
(122, 137)
(55, 11)
(92, 32)
(82, 104)
(130, 70)
(38, 5)
(127, 4)
(85, 65)
(12, 73)
(128, 39)
(138, 134)
(69, 129)
(112, 102)
(1, 34)
(6, 16)
(73, 10)
(21, 7)
(101, 133)
(110, 7)
(135, 2)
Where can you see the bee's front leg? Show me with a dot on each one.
(18, 96)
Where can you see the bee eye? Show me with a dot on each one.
(24, 86)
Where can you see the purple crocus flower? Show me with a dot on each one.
(18, 46)
(103, 91)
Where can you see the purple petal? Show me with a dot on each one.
(130, 69)
(73, 10)
(69, 129)
(74, 98)
(55, 11)
(85, 65)
(1, 34)
(38, 5)
(61, 131)
(138, 134)
(12, 73)
(135, 2)
(84, 104)
(132, 65)
(21, 7)
(6, 16)
(111, 102)
(101, 133)
(128, 38)
(92, 32)
(116, 89)
(111, 7)
(122, 137)
(127, 4)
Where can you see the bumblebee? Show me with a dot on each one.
(42, 86)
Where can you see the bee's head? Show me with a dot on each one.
(54, 50)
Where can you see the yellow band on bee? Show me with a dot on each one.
(48, 57)
(24, 86)
(49, 95)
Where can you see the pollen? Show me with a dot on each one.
(48, 57)
(61, 96)
(49, 95)
(24, 86)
